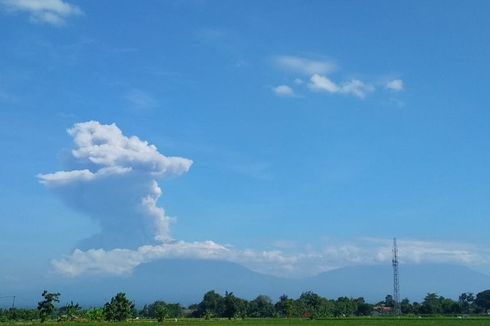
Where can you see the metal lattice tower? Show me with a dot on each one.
(396, 280)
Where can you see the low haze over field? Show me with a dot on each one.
(292, 138)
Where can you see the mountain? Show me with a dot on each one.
(186, 280)
(375, 282)
(181, 280)
(173, 280)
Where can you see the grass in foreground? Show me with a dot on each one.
(288, 322)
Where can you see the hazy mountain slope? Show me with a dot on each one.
(186, 280)
(374, 282)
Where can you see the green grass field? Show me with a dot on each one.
(281, 322)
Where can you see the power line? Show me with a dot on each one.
(12, 297)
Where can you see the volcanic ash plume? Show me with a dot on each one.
(113, 179)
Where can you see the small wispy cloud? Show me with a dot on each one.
(322, 83)
(53, 12)
(211, 34)
(353, 87)
(303, 65)
(318, 76)
(357, 88)
(395, 85)
(141, 100)
(319, 73)
(283, 90)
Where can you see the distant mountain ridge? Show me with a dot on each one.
(373, 282)
(186, 280)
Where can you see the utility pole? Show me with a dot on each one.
(396, 280)
(13, 299)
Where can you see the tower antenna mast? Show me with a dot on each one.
(396, 280)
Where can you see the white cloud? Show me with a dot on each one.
(113, 179)
(52, 12)
(123, 261)
(395, 85)
(283, 90)
(322, 83)
(303, 65)
(417, 251)
(320, 78)
(104, 146)
(275, 262)
(353, 87)
(357, 88)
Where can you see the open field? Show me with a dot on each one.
(281, 322)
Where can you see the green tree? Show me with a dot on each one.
(345, 307)
(16, 314)
(175, 310)
(431, 304)
(326, 309)
(145, 312)
(233, 306)
(13, 314)
(149, 311)
(449, 306)
(466, 302)
(261, 307)
(389, 301)
(285, 307)
(94, 314)
(119, 308)
(406, 307)
(482, 300)
(70, 311)
(212, 305)
(161, 312)
(46, 306)
(362, 308)
(417, 308)
(309, 303)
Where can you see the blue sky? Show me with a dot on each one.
(317, 131)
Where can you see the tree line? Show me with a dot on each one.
(214, 305)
